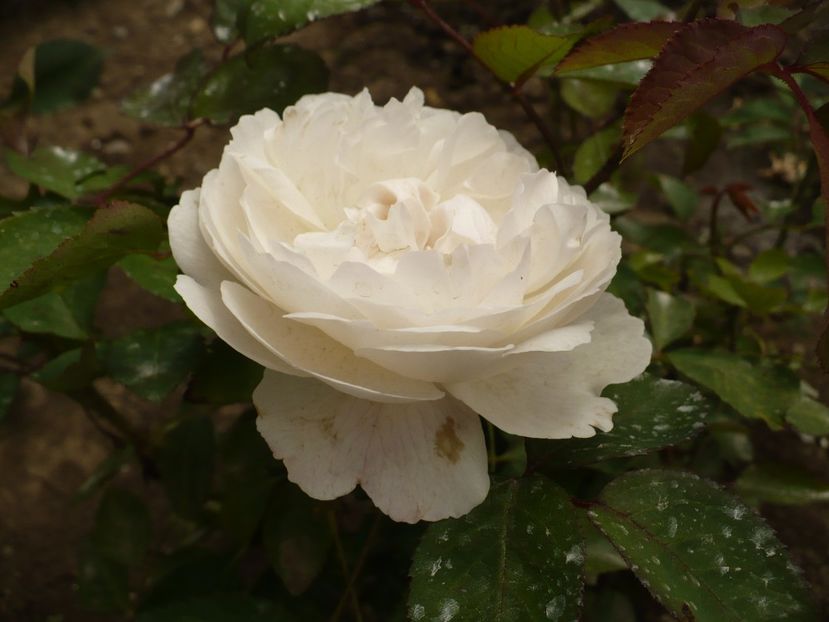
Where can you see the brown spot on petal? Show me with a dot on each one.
(447, 443)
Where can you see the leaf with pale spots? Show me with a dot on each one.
(653, 413)
(700, 551)
(518, 556)
(153, 362)
(265, 18)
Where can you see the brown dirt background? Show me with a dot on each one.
(47, 446)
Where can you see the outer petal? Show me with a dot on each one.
(557, 394)
(190, 249)
(207, 305)
(424, 461)
(313, 352)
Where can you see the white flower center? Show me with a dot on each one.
(396, 216)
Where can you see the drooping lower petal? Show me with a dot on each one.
(423, 461)
(558, 394)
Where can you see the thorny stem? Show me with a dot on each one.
(358, 567)
(512, 89)
(713, 223)
(189, 132)
(338, 546)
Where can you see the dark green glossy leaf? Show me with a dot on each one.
(700, 551)
(243, 507)
(682, 198)
(55, 168)
(153, 362)
(754, 390)
(111, 233)
(769, 265)
(265, 77)
(123, 529)
(594, 152)
(781, 485)
(265, 18)
(57, 74)
(186, 461)
(652, 413)
(224, 376)
(66, 312)
(70, 370)
(157, 276)
(9, 383)
(514, 53)
(297, 537)
(167, 100)
(671, 317)
(226, 17)
(518, 556)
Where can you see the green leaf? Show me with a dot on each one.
(57, 74)
(265, 77)
(167, 100)
(611, 200)
(653, 413)
(700, 551)
(621, 44)
(594, 152)
(625, 75)
(758, 391)
(123, 528)
(809, 416)
(224, 376)
(518, 556)
(153, 362)
(226, 17)
(157, 276)
(781, 485)
(243, 507)
(9, 383)
(683, 198)
(265, 18)
(769, 266)
(671, 317)
(514, 53)
(643, 10)
(600, 556)
(104, 472)
(590, 98)
(700, 61)
(186, 462)
(28, 236)
(704, 133)
(296, 537)
(55, 168)
(111, 233)
(68, 311)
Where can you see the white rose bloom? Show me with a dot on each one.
(399, 271)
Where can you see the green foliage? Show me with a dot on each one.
(8, 390)
(671, 317)
(701, 552)
(517, 556)
(53, 168)
(264, 77)
(782, 485)
(516, 52)
(186, 461)
(653, 413)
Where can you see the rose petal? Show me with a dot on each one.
(557, 395)
(190, 250)
(206, 304)
(318, 355)
(424, 461)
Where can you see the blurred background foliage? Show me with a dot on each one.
(135, 485)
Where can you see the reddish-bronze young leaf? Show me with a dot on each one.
(698, 62)
(623, 43)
